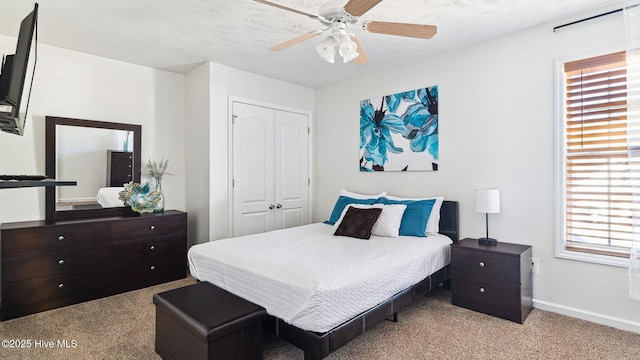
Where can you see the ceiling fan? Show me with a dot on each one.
(338, 21)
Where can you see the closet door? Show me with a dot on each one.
(253, 169)
(270, 169)
(291, 169)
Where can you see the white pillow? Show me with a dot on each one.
(344, 192)
(388, 223)
(433, 224)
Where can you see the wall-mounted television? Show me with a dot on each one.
(14, 76)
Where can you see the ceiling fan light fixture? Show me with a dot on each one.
(327, 49)
(348, 48)
(350, 57)
(338, 18)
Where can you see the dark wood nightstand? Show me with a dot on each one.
(493, 279)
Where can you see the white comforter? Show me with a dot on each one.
(109, 197)
(312, 279)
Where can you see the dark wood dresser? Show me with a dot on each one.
(45, 265)
(493, 279)
(119, 167)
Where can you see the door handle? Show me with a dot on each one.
(279, 206)
(271, 207)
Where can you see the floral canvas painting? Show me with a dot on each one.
(399, 132)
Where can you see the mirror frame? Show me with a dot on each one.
(50, 162)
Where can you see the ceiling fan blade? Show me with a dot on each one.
(266, 2)
(295, 41)
(359, 7)
(401, 29)
(363, 58)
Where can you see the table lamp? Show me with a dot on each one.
(487, 202)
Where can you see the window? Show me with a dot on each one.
(600, 174)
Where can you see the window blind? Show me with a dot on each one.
(602, 158)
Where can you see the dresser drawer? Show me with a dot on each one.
(154, 225)
(151, 269)
(124, 252)
(51, 238)
(25, 267)
(486, 264)
(480, 289)
(53, 287)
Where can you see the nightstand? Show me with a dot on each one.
(492, 279)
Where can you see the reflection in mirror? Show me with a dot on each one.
(99, 156)
(100, 160)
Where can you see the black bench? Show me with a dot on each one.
(203, 321)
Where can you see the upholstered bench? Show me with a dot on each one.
(203, 321)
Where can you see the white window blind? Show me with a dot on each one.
(602, 156)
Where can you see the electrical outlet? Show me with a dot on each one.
(535, 264)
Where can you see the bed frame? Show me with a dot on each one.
(318, 345)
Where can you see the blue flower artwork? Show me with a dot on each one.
(399, 132)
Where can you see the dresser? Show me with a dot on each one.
(45, 265)
(119, 167)
(493, 279)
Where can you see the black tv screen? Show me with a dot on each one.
(13, 76)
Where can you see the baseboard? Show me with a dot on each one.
(607, 320)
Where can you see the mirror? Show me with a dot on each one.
(100, 156)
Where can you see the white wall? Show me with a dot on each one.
(198, 162)
(167, 133)
(496, 130)
(76, 85)
(212, 153)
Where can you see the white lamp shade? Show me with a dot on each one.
(348, 48)
(327, 49)
(487, 200)
(351, 57)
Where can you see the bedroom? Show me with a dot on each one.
(490, 138)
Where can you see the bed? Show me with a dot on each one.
(110, 197)
(316, 307)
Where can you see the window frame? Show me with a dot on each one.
(560, 182)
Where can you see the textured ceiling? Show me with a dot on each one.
(178, 35)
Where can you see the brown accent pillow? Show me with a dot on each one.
(357, 223)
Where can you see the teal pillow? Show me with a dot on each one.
(342, 202)
(414, 220)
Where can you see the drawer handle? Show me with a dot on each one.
(482, 290)
(152, 247)
(152, 227)
(61, 237)
(152, 267)
(61, 261)
(481, 263)
(60, 286)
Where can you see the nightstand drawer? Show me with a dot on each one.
(486, 264)
(486, 290)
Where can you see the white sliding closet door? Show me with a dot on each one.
(270, 169)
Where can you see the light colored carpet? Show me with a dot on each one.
(123, 327)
